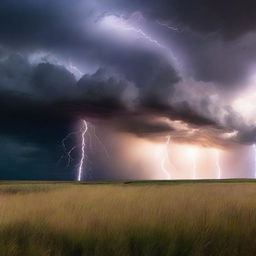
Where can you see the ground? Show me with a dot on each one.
(128, 218)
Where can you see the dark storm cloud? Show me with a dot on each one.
(47, 94)
(227, 63)
(44, 101)
(214, 41)
(102, 87)
(69, 30)
(229, 18)
(48, 90)
(29, 23)
(142, 125)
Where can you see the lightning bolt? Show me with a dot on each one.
(144, 35)
(85, 146)
(168, 26)
(117, 22)
(81, 163)
(166, 158)
(217, 163)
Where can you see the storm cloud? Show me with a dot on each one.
(138, 66)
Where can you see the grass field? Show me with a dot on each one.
(128, 218)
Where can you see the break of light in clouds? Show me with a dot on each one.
(166, 88)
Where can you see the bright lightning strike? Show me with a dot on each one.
(84, 148)
(81, 163)
(120, 24)
(166, 158)
(217, 163)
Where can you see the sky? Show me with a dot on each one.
(119, 89)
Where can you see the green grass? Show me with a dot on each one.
(198, 218)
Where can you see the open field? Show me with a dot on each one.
(128, 218)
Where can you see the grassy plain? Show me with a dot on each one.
(201, 218)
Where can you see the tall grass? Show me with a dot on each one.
(178, 219)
